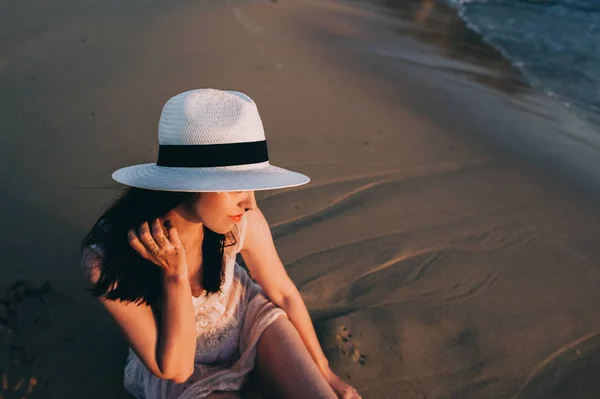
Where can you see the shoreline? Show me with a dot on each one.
(452, 252)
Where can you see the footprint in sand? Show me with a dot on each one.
(28, 328)
(344, 338)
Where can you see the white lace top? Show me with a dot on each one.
(218, 317)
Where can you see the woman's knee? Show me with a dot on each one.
(284, 366)
(280, 333)
(281, 327)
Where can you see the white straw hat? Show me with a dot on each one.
(210, 140)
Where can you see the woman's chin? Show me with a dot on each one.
(222, 226)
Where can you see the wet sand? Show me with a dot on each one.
(445, 247)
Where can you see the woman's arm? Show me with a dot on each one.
(296, 310)
(266, 268)
(167, 350)
(177, 341)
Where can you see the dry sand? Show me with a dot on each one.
(445, 247)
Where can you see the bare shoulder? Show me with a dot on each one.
(258, 232)
(254, 216)
(262, 260)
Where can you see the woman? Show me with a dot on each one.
(162, 261)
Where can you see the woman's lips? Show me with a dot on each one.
(236, 218)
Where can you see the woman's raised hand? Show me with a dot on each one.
(165, 251)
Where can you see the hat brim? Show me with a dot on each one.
(262, 176)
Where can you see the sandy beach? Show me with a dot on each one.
(445, 247)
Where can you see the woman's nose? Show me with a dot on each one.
(249, 201)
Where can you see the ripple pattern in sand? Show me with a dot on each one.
(570, 372)
(355, 190)
(405, 266)
(376, 254)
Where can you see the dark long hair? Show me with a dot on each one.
(124, 274)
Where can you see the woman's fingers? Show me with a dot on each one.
(147, 239)
(351, 395)
(136, 244)
(159, 235)
(173, 234)
(164, 250)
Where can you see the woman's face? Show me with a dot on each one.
(220, 211)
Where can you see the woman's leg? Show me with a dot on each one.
(284, 368)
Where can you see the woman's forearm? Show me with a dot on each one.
(177, 337)
(296, 310)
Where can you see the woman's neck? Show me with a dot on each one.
(190, 232)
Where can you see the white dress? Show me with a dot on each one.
(228, 326)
